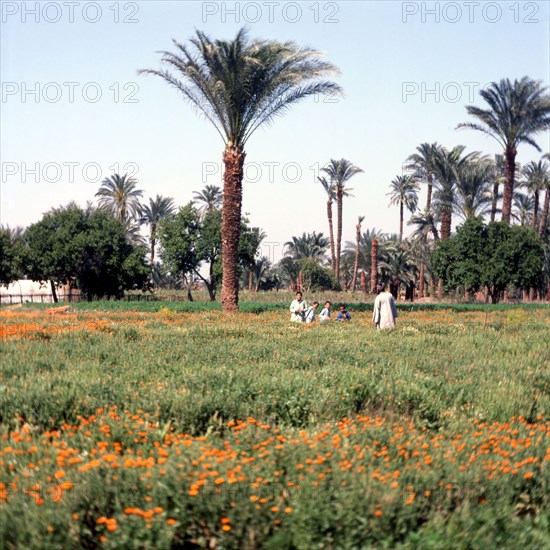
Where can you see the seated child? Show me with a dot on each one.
(310, 313)
(325, 313)
(344, 314)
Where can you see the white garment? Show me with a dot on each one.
(310, 315)
(298, 309)
(325, 314)
(385, 312)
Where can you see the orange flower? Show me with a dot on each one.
(378, 513)
(171, 521)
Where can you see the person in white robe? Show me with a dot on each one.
(298, 309)
(385, 312)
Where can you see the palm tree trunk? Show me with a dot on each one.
(446, 221)
(544, 215)
(494, 202)
(331, 234)
(339, 200)
(430, 187)
(364, 287)
(251, 281)
(233, 159)
(153, 243)
(373, 265)
(400, 221)
(356, 265)
(421, 282)
(535, 210)
(510, 170)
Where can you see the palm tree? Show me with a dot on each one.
(472, 188)
(152, 214)
(536, 176)
(119, 195)
(310, 245)
(261, 268)
(331, 195)
(448, 167)
(210, 199)
(523, 206)
(426, 224)
(395, 265)
(404, 192)
(546, 207)
(360, 220)
(339, 173)
(517, 111)
(498, 177)
(423, 165)
(240, 85)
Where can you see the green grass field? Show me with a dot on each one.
(171, 425)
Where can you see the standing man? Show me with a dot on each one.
(385, 312)
(298, 309)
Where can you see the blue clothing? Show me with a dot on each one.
(343, 316)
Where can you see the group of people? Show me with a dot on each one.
(383, 316)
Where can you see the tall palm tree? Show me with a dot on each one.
(544, 216)
(209, 199)
(360, 220)
(404, 192)
(119, 195)
(536, 175)
(240, 85)
(331, 195)
(517, 111)
(498, 177)
(152, 214)
(423, 165)
(310, 245)
(339, 173)
(448, 167)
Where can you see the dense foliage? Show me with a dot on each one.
(87, 248)
(495, 256)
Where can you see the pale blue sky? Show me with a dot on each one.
(391, 55)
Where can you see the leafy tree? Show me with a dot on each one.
(240, 85)
(188, 242)
(517, 111)
(89, 248)
(493, 256)
(315, 277)
(178, 236)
